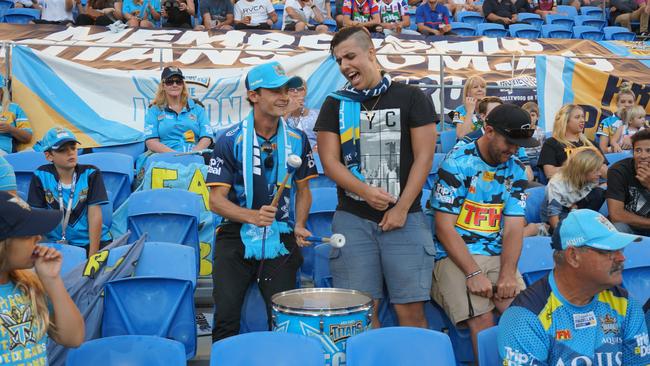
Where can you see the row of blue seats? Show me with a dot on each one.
(530, 31)
(565, 11)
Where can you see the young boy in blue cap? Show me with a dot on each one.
(76, 190)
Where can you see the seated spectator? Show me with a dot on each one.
(7, 177)
(56, 11)
(539, 7)
(456, 6)
(633, 119)
(177, 13)
(628, 188)
(500, 11)
(568, 135)
(300, 117)
(540, 135)
(254, 14)
(325, 8)
(299, 15)
(624, 12)
(607, 127)
(75, 189)
(138, 13)
(395, 17)
(364, 13)
(217, 14)
(14, 125)
(96, 12)
(337, 13)
(578, 314)
(465, 118)
(574, 186)
(32, 4)
(432, 19)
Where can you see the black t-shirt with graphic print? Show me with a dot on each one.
(385, 141)
(623, 186)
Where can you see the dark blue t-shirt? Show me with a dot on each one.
(432, 18)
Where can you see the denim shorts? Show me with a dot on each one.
(403, 258)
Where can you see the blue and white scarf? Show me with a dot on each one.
(258, 194)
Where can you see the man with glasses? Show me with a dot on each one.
(256, 240)
(628, 188)
(578, 314)
(479, 204)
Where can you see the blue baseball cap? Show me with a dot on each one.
(54, 139)
(270, 75)
(591, 229)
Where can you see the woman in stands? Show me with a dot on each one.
(608, 126)
(574, 186)
(465, 116)
(138, 13)
(567, 136)
(299, 116)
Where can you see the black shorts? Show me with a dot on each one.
(292, 27)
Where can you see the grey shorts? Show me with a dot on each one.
(403, 258)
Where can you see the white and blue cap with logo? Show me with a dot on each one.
(591, 229)
(270, 75)
(54, 139)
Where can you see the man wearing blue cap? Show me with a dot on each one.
(578, 314)
(76, 190)
(248, 165)
(14, 124)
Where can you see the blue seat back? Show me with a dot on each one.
(534, 202)
(447, 140)
(162, 307)
(253, 311)
(117, 173)
(128, 350)
(590, 21)
(520, 30)
(4, 6)
(556, 31)
(616, 157)
(322, 274)
(268, 348)
(72, 256)
(107, 213)
(636, 275)
(463, 29)
(400, 346)
(531, 18)
(134, 149)
(536, 259)
(21, 15)
(567, 10)
(279, 10)
(472, 17)
(488, 349)
(593, 11)
(24, 164)
(618, 33)
(175, 158)
(563, 20)
(588, 32)
(492, 30)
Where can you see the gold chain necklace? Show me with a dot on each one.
(370, 114)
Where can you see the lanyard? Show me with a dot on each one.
(66, 212)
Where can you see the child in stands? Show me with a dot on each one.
(608, 126)
(74, 189)
(633, 121)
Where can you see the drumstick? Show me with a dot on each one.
(336, 240)
(293, 162)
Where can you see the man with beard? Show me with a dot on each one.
(479, 205)
(578, 314)
(371, 120)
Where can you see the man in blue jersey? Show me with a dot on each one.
(479, 204)
(256, 240)
(578, 314)
(14, 125)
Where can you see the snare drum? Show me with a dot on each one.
(332, 315)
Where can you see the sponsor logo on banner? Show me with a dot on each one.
(481, 217)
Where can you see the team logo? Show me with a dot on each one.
(279, 70)
(480, 217)
(609, 324)
(18, 323)
(508, 185)
(339, 332)
(605, 222)
(488, 176)
(49, 197)
(563, 335)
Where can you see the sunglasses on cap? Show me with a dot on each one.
(268, 148)
(516, 133)
(172, 81)
(296, 90)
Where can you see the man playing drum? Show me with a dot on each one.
(248, 164)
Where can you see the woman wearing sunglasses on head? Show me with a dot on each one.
(298, 115)
(174, 122)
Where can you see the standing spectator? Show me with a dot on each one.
(540, 135)
(139, 13)
(479, 204)
(177, 13)
(608, 126)
(217, 14)
(633, 119)
(432, 19)
(500, 11)
(628, 188)
(96, 12)
(364, 13)
(395, 17)
(254, 14)
(624, 12)
(300, 117)
(465, 118)
(299, 15)
(14, 125)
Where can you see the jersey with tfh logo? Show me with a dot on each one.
(542, 328)
(480, 195)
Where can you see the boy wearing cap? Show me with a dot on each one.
(76, 190)
(248, 164)
(578, 314)
(479, 204)
(14, 124)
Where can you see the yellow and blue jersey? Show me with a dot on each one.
(88, 191)
(542, 328)
(480, 195)
(609, 125)
(178, 131)
(15, 116)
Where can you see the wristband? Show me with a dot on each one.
(473, 274)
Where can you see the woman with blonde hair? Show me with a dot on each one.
(607, 127)
(568, 135)
(34, 304)
(465, 118)
(574, 186)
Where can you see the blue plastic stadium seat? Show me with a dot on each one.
(134, 149)
(332, 27)
(447, 140)
(267, 348)
(556, 31)
(162, 307)
(4, 6)
(588, 32)
(166, 215)
(488, 351)
(618, 34)
(519, 30)
(319, 223)
(279, 10)
(437, 161)
(590, 21)
(563, 20)
(536, 259)
(399, 346)
(175, 158)
(636, 275)
(322, 275)
(253, 311)
(72, 256)
(21, 15)
(616, 157)
(24, 164)
(117, 172)
(472, 17)
(592, 11)
(567, 10)
(530, 18)
(128, 350)
(463, 29)
(534, 202)
(492, 30)
(107, 213)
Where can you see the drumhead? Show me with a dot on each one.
(321, 301)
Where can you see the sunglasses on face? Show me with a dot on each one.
(268, 148)
(170, 82)
(297, 90)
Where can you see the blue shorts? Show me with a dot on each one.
(403, 258)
